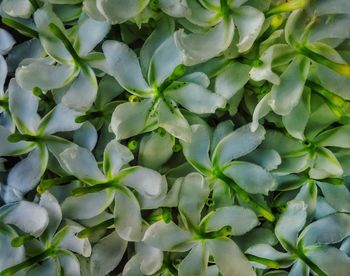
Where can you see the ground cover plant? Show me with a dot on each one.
(175, 137)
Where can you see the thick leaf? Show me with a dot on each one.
(90, 33)
(25, 175)
(196, 262)
(232, 79)
(115, 156)
(200, 47)
(127, 215)
(81, 163)
(238, 143)
(53, 208)
(175, 8)
(249, 22)
(87, 206)
(121, 61)
(330, 229)
(149, 155)
(168, 237)
(9, 255)
(27, 216)
(107, 253)
(129, 119)
(23, 106)
(338, 196)
(81, 94)
(119, 11)
(189, 206)
(195, 98)
(171, 119)
(229, 258)
(197, 150)
(325, 165)
(45, 76)
(164, 61)
(286, 95)
(240, 219)
(6, 41)
(71, 242)
(330, 260)
(250, 177)
(335, 137)
(17, 8)
(145, 181)
(290, 223)
(59, 119)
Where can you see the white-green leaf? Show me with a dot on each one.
(119, 11)
(171, 119)
(229, 258)
(149, 155)
(190, 206)
(87, 206)
(175, 8)
(196, 261)
(17, 8)
(127, 215)
(200, 47)
(325, 165)
(286, 95)
(238, 143)
(121, 61)
(338, 196)
(90, 33)
(197, 150)
(240, 219)
(9, 256)
(25, 175)
(290, 223)
(330, 229)
(195, 97)
(232, 79)
(59, 119)
(168, 237)
(53, 208)
(250, 177)
(249, 22)
(6, 41)
(107, 253)
(81, 94)
(130, 119)
(27, 216)
(81, 163)
(330, 260)
(145, 181)
(164, 61)
(45, 76)
(71, 241)
(23, 106)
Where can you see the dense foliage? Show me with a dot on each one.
(175, 137)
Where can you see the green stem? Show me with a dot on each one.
(48, 183)
(288, 7)
(67, 44)
(343, 69)
(17, 137)
(245, 197)
(92, 189)
(91, 230)
(14, 269)
(90, 115)
(20, 240)
(267, 262)
(300, 254)
(20, 27)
